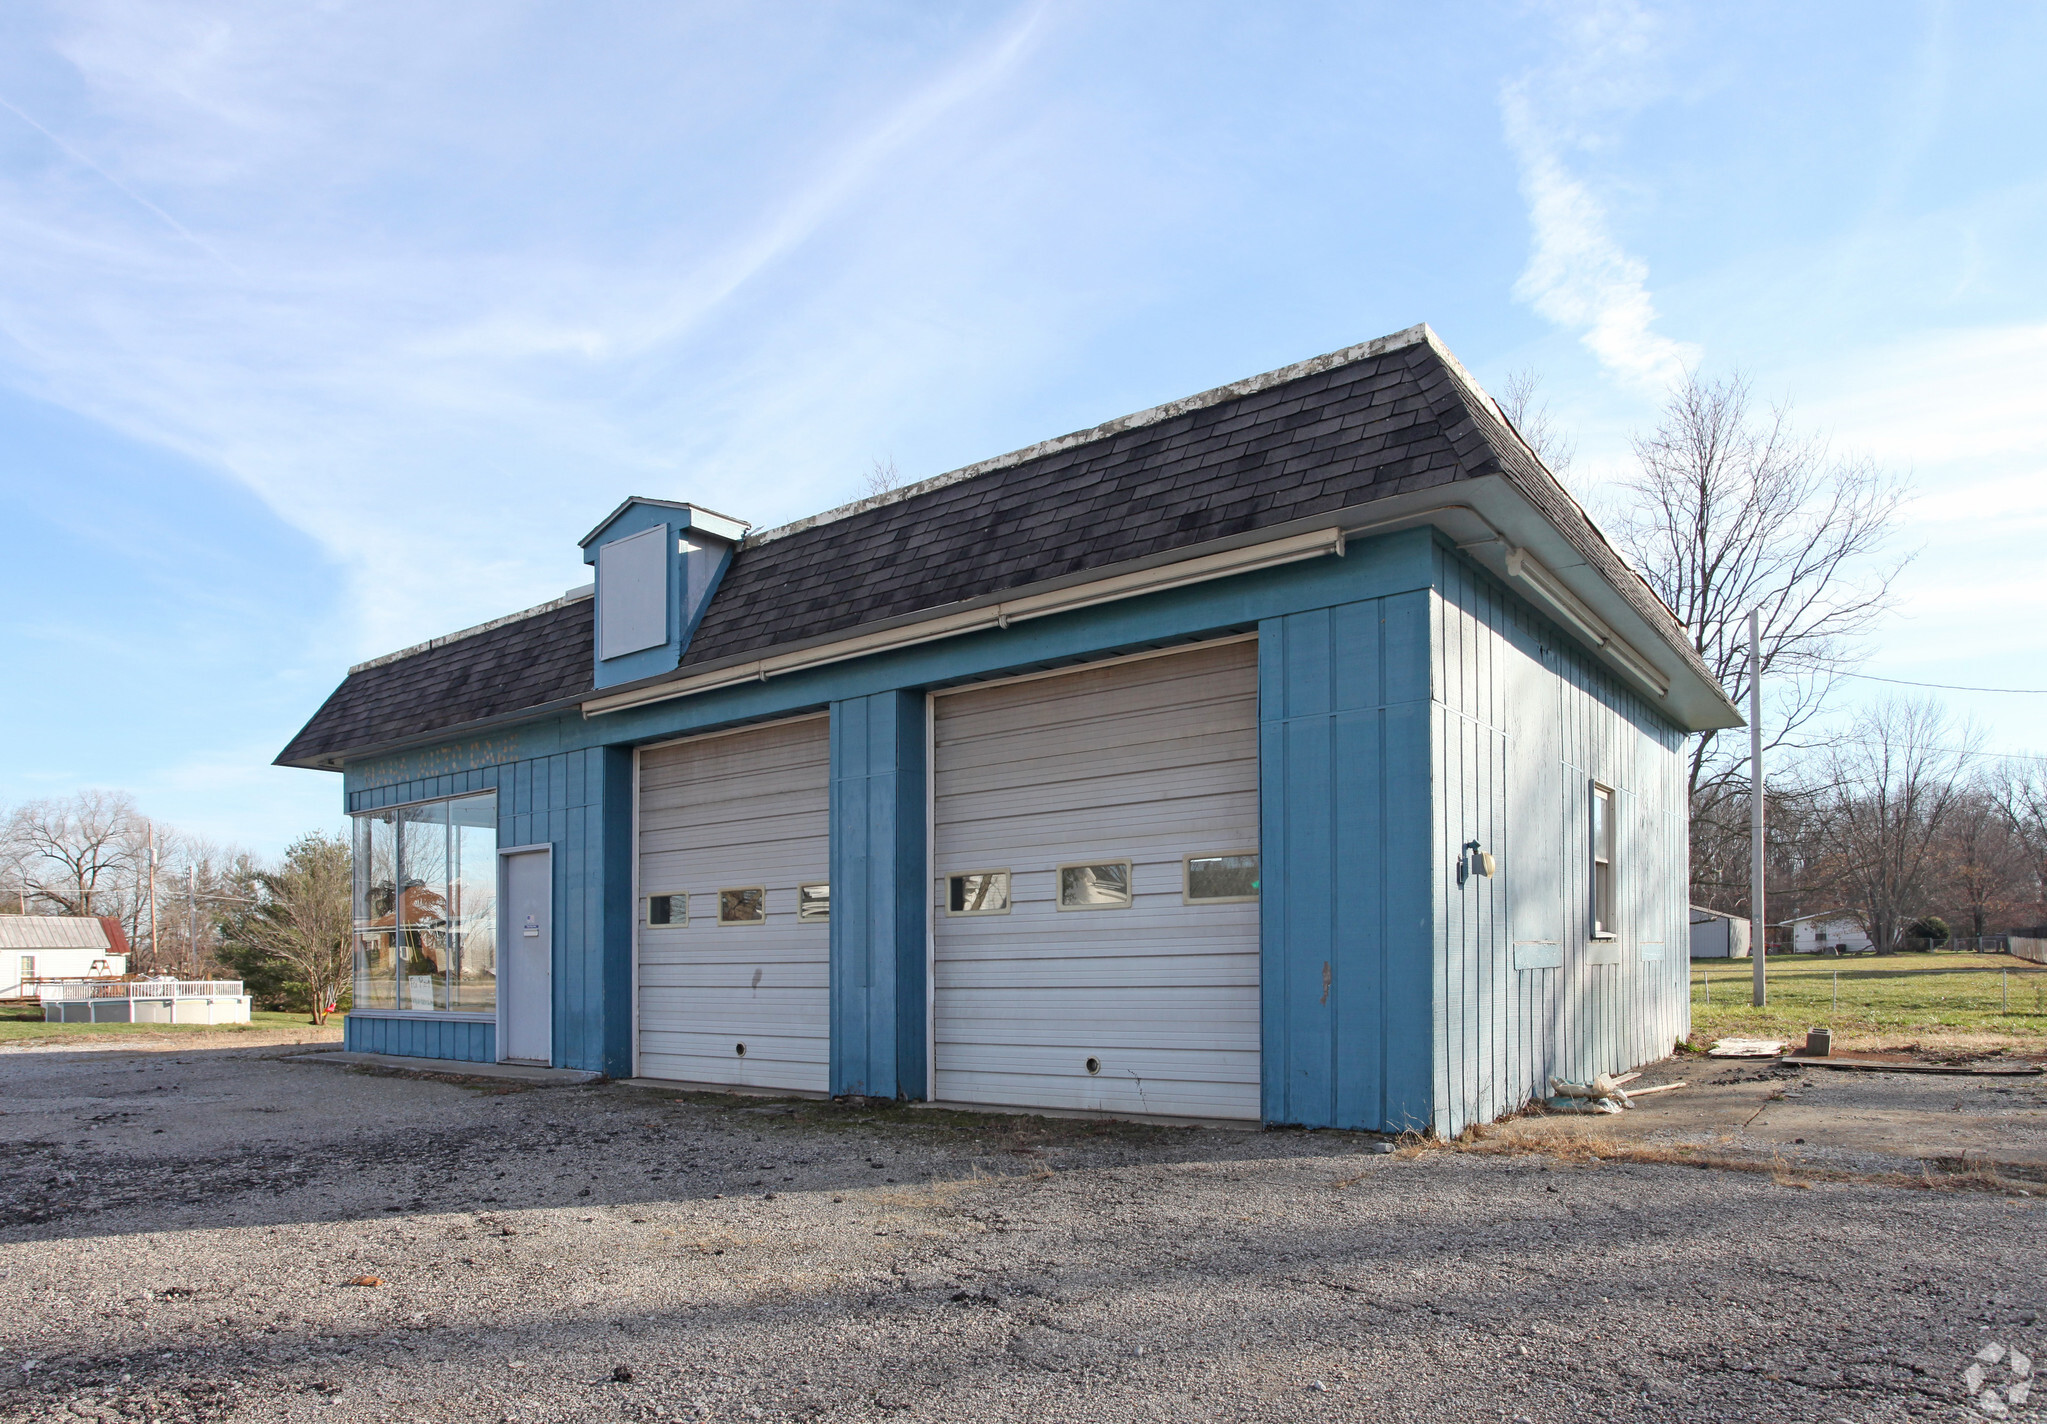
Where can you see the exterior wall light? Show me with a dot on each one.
(1476, 862)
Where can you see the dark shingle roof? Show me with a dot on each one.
(1350, 429)
(514, 667)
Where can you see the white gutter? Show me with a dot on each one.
(1247, 559)
(1532, 574)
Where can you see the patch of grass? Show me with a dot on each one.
(1891, 998)
(24, 1024)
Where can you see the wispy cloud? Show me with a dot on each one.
(71, 152)
(1579, 275)
(433, 400)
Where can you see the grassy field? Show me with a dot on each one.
(24, 1024)
(1882, 999)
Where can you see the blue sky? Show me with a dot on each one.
(328, 328)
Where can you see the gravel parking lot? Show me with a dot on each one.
(179, 1231)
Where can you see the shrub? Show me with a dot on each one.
(1931, 928)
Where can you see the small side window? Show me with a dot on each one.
(667, 911)
(1602, 863)
(748, 906)
(977, 892)
(1095, 885)
(1220, 879)
(813, 903)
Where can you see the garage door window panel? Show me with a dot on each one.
(977, 892)
(1226, 879)
(813, 904)
(1094, 885)
(668, 911)
(745, 906)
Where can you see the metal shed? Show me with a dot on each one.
(1718, 936)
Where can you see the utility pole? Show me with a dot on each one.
(152, 888)
(1758, 907)
(192, 913)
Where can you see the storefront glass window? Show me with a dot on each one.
(426, 907)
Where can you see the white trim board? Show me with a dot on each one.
(1088, 664)
(711, 736)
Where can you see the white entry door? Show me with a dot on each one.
(1095, 881)
(526, 977)
(734, 931)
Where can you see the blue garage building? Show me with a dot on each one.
(1297, 752)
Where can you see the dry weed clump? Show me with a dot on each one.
(1528, 1138)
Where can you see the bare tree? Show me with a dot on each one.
(68, 850)
(88, 853)
(1731, 510)
(1895, 783)
(2019, 788)
(301, 918)
(1531, 419)
(200, 883)
(1984, 868)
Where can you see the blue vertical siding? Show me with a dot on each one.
(1525, 720)
(422, 1038)
(580, 803)
(878, 978)
(1343, 697)
(1408, 703)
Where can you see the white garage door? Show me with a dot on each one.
(1110, 789)
(733, 977)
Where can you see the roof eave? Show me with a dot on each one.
(1487, 518)
(338, 760)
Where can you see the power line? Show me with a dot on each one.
(1942, 751)
(1945, 686)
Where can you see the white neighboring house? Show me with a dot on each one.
(1829, 929)
(1718, 936)
(57, 947)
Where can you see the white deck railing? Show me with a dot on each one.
(142, 989)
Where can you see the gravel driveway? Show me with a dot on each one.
(179, 1230)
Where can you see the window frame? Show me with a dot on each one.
(647, 910)
(806, 913)
(1187, 895)
(725, 923)
(1059, 883)
(456, 929)
(1605, 888)
(1008, 893)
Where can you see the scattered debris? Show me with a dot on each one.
(1604, 1094)
(1659, 1088)
(1746, 1048)
(1562, 1104)
(621, 1374)
(364, 1281)
(1605, 1086)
